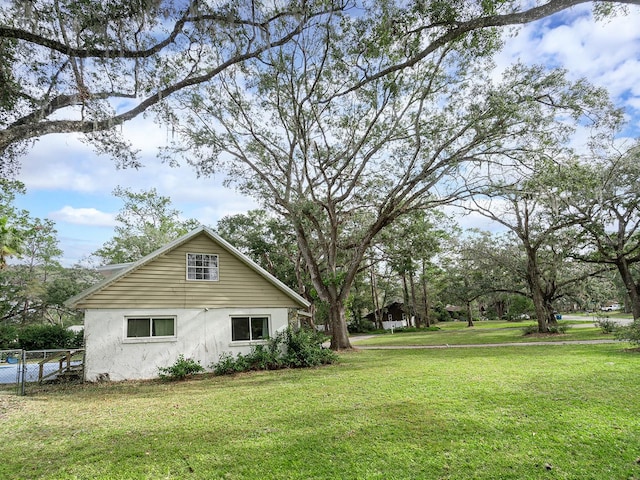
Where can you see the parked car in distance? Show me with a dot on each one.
(611, 307)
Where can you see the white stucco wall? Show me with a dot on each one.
(202, 335)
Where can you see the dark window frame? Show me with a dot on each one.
(153, 321)
(255, 329)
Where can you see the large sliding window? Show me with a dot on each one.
(148, 327)
(249, 328)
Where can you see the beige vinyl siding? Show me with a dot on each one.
(162, 283)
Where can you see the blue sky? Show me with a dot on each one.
(69, 184)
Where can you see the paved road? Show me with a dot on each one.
(476, 345)
(619, 321)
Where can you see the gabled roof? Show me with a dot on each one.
(109, 271)
(126, 269)
(398, 304)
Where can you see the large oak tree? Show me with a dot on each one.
(88, 66)
(607, 206)
(342, 165)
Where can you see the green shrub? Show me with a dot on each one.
(554, 329)
(264, 357)
(605, 324)
(78, 339)
(361, 326)
(181, 369)
(629, 333)
(303, 348)
(404, 330)
(559, 328)
(431, 328)
(226, 365)
(441, 314)
(8, 337)
(292, 348)
(44, 337)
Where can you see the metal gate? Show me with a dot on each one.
(11, 362)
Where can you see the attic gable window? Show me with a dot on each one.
(202, 266)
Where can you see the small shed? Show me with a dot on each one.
(393, 316)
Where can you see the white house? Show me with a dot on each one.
(197, 296)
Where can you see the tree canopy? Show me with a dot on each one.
(10, 234)
(87, 67)
(33, 284)
(606, 205)
(342, 164)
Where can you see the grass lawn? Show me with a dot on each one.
(540, 412)
(457, 333)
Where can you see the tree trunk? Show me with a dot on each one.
(311, 321)
(405, 290)
(339, 333)
(631, 287)
(468, 304)
(377, 314)
(413, 312)
(425, 300)
(541, 314)
(25, 310)
(469, 315)
(537, 295)
(551, 316)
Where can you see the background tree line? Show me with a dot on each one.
(426, 262)
(345, 119)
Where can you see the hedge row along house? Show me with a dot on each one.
(197, 296)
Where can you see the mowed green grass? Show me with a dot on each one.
(486, 332)
(539, 412)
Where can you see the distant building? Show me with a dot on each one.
(393, 316)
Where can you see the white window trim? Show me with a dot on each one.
(162, 339)
(248, 343)
(186, 272)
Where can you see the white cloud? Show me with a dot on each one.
(603, 51)
(209, 215)
(71, 185)
(63, 163)
(84, 216)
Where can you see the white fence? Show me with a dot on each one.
(389, 325)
